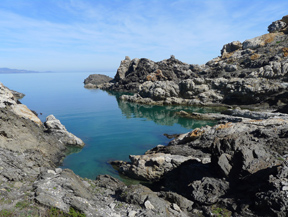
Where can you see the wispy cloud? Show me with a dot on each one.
(86, 34)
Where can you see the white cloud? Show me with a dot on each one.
(194, 31)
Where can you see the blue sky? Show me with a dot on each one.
(95, 35)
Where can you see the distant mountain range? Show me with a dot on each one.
(8, 71)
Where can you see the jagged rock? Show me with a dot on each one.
(156, 76)
(57, 190)
(151, 167)
(211, 91)
(17, 94)
(260, 57)
(276, 26)
(159, 90)
(109, 182)
(245, 113)
(55, 127)
(6, 97)
(259, 41)
(243, 154)
(16, 166)
(183, 203)
(123, 68)
(8, 100)
(230, 47)
(274, 201)
(144, 197)
(239, 153)
(208, 190)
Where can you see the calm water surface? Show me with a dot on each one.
(111, 129)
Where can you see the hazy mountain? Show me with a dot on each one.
(8, 71)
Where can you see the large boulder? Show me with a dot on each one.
(60, 190)
(151, 167)
(155, 205)
(55, 127)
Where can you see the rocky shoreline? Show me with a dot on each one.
(249, 74)
(239, 167)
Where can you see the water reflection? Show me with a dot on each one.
(164, 115)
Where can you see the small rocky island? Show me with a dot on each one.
(239, 167)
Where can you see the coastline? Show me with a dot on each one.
(237, 167)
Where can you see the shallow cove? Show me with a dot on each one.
(112, 129)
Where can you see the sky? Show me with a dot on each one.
(95, 35)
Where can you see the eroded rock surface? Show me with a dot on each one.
(253, 72)
(231, 159)
(95, 80)
(55, 127)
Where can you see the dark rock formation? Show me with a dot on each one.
(254, 72)
(94, 80)
(229, 161)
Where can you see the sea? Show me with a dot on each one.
(111, 129)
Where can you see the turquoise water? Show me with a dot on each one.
(110, 128)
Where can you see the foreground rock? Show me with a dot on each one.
(151, 167)
(221, 166)
(32, 185)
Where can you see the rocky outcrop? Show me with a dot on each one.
(55, 127)
(251, 72)
(132, 73)
(96, 80)
(15, 130)
(222, 164)
(9, 101)
(32, 185)
(151, 167)
(209, 92)
(155, 204)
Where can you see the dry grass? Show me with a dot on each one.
(253, 121)
(268, 38)
(224, 126)
(227, 55)
(254, 56)
(285, 51)
(196, 133)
